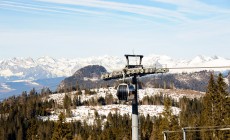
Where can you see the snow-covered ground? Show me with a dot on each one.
(87, 112)
(176, 94)
(102, 92)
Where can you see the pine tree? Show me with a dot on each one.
(67, 104)
(168, 122)
(167, 113)
(61, 130)
(146, 127)
(227, 117)
(20, 134)
(209, 103)
(31, 132)
(1, 132)
(215, 106)
(221, 104)
(208, 107)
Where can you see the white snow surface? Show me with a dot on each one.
(66, 67)
(87, 112)
(102, 92)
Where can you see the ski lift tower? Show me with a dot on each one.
(133, 71)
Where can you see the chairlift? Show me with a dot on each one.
(124, 91)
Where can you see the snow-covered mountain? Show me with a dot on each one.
(47, 67)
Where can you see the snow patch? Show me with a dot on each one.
(176, 94)
(87, 113)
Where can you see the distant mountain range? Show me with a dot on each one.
(22, 74)
(47, 67)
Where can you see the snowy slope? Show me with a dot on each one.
(102, 92)
(47, 67)
(87, 113)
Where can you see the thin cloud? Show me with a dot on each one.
(49, 10)
(187, 10)
(149, 11)
(194, 7)
(18, 6)
(12, 6)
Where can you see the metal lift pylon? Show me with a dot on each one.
(134, 71)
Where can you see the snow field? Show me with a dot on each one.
(87, 113)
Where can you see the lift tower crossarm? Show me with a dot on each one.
(133, 71)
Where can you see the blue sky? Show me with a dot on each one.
(83, 28)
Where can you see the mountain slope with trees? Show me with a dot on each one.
(89, 77)
(19, 118)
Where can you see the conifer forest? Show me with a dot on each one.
(205, 118)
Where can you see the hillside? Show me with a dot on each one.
(82, 113)
(89, 77)
(86, 77)
(97, 111)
